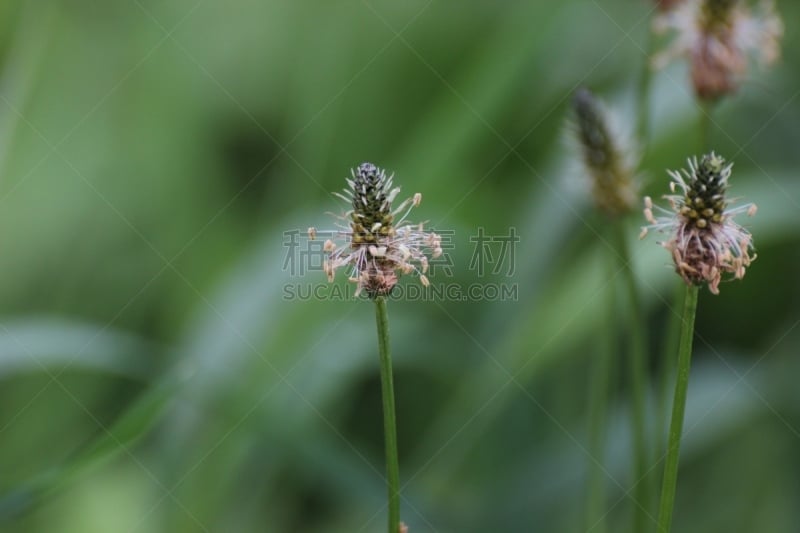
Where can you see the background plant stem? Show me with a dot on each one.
(678, 408)
(643, 95)
(389, 418)
(600, 389)
(706, 123)
(637, 359)
(666, 369)
(21, 68)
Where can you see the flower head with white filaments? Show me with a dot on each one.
(379, 243)
(705, 242)
(717, 36)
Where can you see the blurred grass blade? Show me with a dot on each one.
(20, 69)
(46, 344)
(117, 439)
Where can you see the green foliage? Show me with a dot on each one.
(156, 378)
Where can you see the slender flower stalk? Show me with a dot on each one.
(389, 418)
(706, 244)
(611, 164)
(379, 247)
(599, 390)
(643, 96)
(670, 479)
(646, 79)
(637, 362)
(666, 369)
(706, 124)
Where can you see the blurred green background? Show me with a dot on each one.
(155, 378)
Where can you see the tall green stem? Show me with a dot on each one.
(643, 94)
(678, 408)
(637, 367)
(389, 418)
(706, 123)
(666, 370)
(599, 391)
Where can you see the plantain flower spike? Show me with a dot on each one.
(704, 240)
(379, 244)
(606, 159)
(717, 36)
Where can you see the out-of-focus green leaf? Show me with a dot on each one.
(111, 442)
(51, 344)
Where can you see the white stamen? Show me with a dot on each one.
(377, 251)
(404, 251)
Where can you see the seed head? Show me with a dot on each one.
(717, 36)
(379, 244)
(610, 165)
(705, 242)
